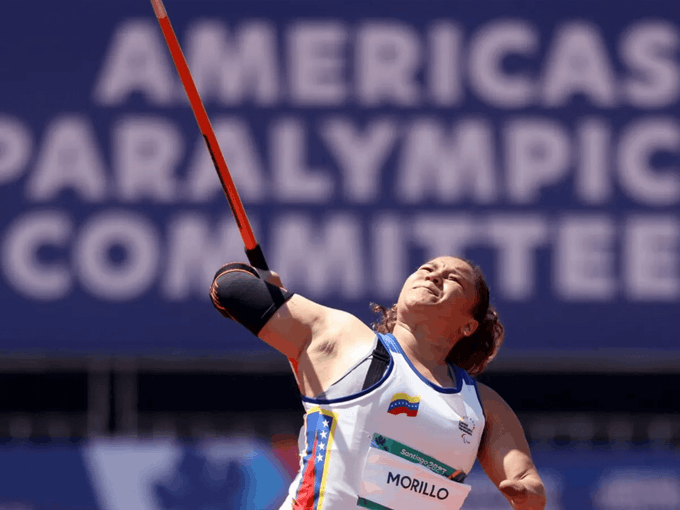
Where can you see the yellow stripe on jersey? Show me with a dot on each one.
(405, 396)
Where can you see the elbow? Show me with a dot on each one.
(239, 293)
(527, 493)
(537, 499)
(535, 491)
(541, 499)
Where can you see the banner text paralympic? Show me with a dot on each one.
(473, 159)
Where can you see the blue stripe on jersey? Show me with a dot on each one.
(390, 342)
(479, 397)
(393, 345)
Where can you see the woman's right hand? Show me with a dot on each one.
(270, 277)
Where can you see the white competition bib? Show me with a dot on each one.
(396, 477)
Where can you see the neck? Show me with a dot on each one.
(422, 344)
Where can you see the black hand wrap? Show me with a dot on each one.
(239, 293)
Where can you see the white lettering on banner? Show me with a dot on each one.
(639, 142)
(317, 73)
(409, 158)
(390, 253)
(293, 180)
(516, 239)
(16, 147)
(137, 62)
(488, 48)
(584, 259)
(444, 74)
(395, 63)
(593, 179)
(326, 258)
(537, 155)
(117, 280)
(233, 68)
(146, 155)
(335, 256)
(647, 48)
(360, 155)
(196, 249)
(651, 255)
(432, 163)
(444, 234)
(242, 156)
(578, 64)
(68, 158)
(387, 59)
(24, 271)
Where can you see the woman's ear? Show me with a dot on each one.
(470, 327)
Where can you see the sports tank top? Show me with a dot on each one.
(402, 443)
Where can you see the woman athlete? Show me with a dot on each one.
(394, 419)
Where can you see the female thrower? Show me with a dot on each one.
(394, 419)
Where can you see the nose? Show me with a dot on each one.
(434, 277)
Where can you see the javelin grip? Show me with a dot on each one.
(256, 258)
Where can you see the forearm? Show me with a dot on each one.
(505, 456)
(526, 492)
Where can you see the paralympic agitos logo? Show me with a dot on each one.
(417, 486)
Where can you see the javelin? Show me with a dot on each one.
(253, 249)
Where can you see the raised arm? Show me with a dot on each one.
(505, 456)
(320, 342)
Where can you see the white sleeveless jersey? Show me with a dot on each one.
(402, 444)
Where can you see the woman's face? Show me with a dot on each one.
(443, 288)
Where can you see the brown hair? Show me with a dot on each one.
(471, 353)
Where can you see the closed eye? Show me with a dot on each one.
(454, 277)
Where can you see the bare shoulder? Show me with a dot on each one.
(495, 408)
(489, 396)
(485, 392)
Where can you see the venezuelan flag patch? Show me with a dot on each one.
(402, 403)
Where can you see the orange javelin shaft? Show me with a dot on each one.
(253, 250)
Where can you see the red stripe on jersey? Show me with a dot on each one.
(305, 499)
(404, 410)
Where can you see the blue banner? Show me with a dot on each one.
(539, 139)
(245, 474)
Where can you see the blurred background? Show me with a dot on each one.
(539, 138)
